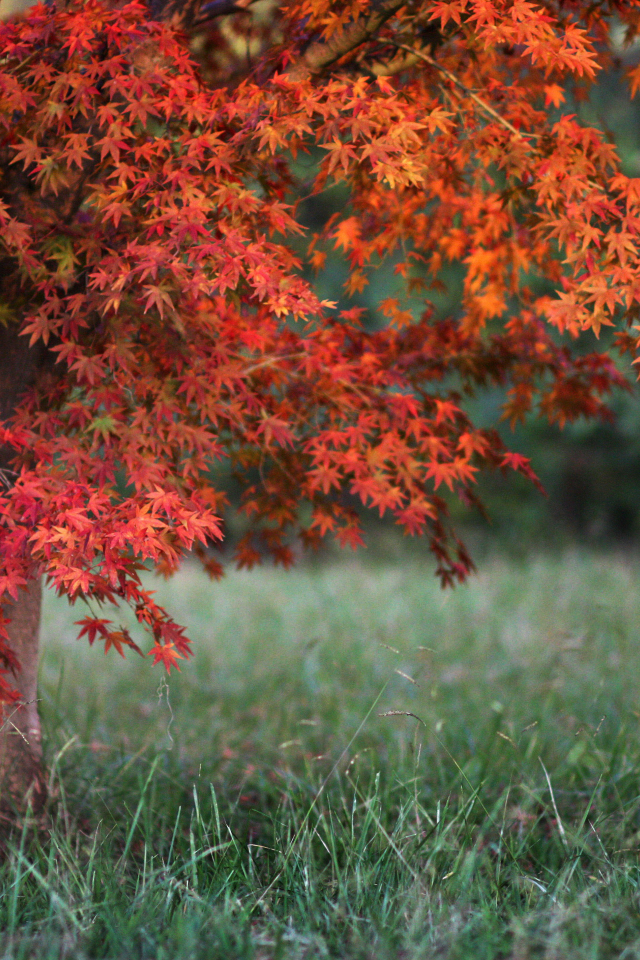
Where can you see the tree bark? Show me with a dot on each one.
(22, 774)
(22, 777)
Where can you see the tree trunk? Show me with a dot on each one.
(22, 778)
(22, 775)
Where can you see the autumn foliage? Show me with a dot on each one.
(152, 249)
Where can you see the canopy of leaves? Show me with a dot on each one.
(151, 244)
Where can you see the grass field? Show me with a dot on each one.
(355, 765)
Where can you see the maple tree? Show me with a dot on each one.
(157, 297)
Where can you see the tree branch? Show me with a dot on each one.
(322, 54)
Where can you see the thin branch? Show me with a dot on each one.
(220, 8)
(478, 100)
(458, 83)
(193, 14)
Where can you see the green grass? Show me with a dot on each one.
(355, 765)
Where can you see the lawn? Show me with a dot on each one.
(354, 765)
